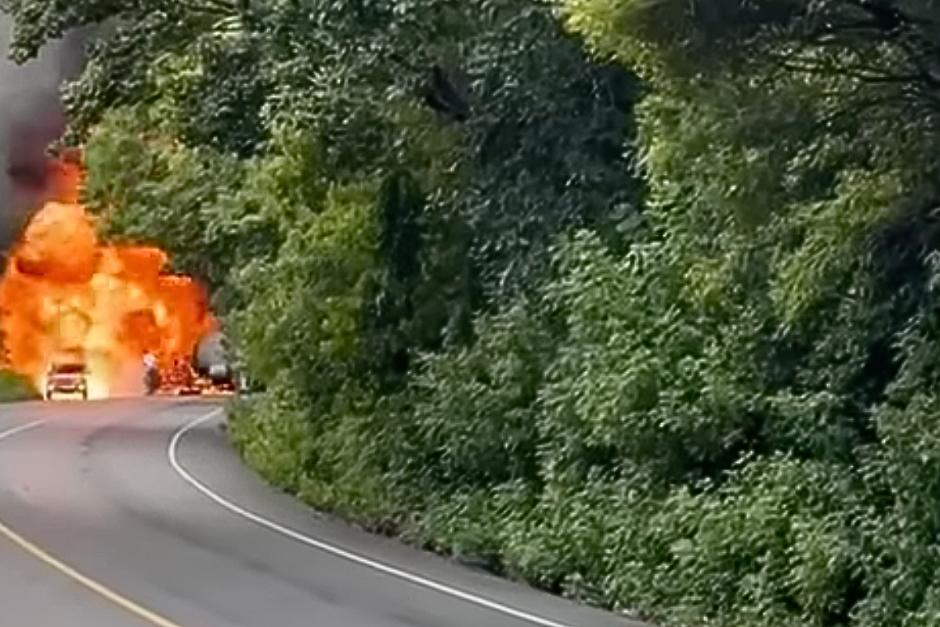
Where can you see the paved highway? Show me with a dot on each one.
(137, 513)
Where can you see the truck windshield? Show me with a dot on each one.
(69, 369)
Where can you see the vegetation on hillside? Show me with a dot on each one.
(15, 388)
(633, 300)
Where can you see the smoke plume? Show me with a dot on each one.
(31, 117)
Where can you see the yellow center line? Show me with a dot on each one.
(89, 583)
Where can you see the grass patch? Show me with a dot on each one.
(15, 387)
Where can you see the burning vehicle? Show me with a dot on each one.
(210, 370)
(215, 365)
(64, 292)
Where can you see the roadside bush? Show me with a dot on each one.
(468, 419)
(643, 376)
(273, 435)
(14, 387)
(327, 460)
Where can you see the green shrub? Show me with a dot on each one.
(14, 387)
(273, 436)
(468, 420)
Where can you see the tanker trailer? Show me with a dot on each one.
(214, 363)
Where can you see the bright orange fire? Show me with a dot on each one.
(66, 297)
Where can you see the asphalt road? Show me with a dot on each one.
(137, 513)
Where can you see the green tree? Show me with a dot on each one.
(422, 222)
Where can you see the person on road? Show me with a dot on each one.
(150, 372)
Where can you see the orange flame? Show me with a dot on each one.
(66, 297)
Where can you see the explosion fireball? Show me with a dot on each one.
(66, 297)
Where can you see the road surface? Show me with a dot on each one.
(137, 513)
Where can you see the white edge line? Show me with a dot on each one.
(9, 433)
(335, 550)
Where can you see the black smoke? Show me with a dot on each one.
(31, 118)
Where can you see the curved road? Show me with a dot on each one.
(137, 513)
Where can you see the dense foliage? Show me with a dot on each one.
(15, 388)
(634, 300)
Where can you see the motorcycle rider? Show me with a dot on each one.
(150, 372)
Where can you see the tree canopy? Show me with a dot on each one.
(632, 299)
